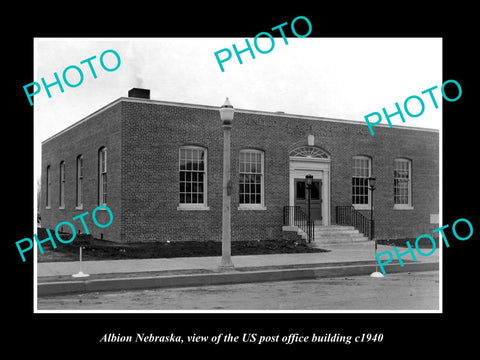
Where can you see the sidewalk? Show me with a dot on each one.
(344, 259)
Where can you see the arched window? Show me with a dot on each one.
(48, 188)
(251, 181)
(402, 183)
(61, 204)
(309, 152)
(79, 182)
(193, 177)
(102, 176)
(361, 172)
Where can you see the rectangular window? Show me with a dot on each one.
(48, 188)
(301, 190)
(251, 177)
(79, 200)
(402, 185)
(315, 190)
(361, 173)
(62, 185)
(102, 169)
(192, 176)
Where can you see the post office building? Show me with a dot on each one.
(159, 167)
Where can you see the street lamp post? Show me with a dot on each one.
(371, 186)
(308, 185)
(226, 115)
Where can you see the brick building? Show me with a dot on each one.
(158, 166)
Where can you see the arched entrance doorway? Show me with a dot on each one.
(309, 159)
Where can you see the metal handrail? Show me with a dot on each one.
(348, 215)
(294, 216)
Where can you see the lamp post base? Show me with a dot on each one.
(80, 274)
(376, 274)
(226, 265)
(223, 268)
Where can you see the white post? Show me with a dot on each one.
(80, 273)
(375, 274)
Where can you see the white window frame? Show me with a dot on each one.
(79, 183)
(102, 177)
(260, 206)
(197, 206)
(61, 202)
(48, 188)
(407, 206)
(366, 206)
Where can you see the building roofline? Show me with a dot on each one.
(211, 107)
(102, 109)
(270, 113)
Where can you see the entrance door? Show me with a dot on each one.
(301, 199)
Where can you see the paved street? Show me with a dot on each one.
(400, 291)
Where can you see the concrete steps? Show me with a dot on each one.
(337, 234)
(331, 234)
(293, 233)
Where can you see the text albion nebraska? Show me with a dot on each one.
(112, 337)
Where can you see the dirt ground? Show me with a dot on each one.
(95, 249)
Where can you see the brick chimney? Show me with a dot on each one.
(139, 93)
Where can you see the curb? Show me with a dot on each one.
(221, 278)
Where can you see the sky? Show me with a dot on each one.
(341, 78)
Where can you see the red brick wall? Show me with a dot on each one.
(153, 134)
(143, 140)
(421, 147)
(86, 138)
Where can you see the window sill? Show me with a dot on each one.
(61, 208)
(79, 207)
(252, 207)
(47, 207)
(361, 207)
(402, 207)
(188, 207)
